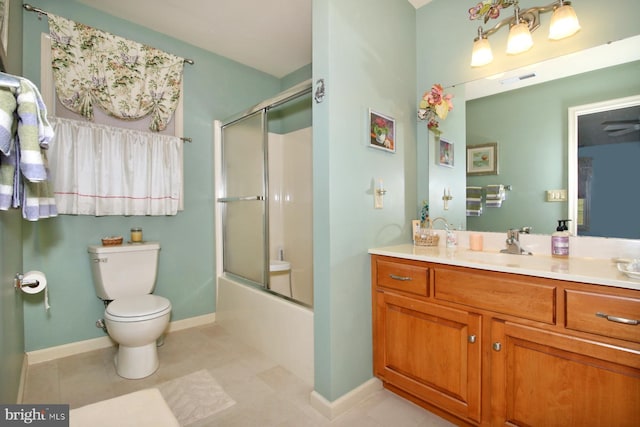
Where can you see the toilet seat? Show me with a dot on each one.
(137, 308)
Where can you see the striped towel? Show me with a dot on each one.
(495, 195)
(34, 131)
(474, 201)
(10, 181)
(7, 122)
(24, 173)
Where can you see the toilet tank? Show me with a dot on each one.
(124, 270)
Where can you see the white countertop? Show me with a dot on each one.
(595, 271)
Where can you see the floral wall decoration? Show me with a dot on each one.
(435, 104)
(489, 9)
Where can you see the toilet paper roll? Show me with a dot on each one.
(33, 277)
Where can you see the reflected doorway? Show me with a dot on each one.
(604, 151)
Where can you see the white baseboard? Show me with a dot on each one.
(57, 352)
(60, 351)
(345, 402)
(191, 322)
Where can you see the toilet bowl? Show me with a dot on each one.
(124, 278)
(135, 323)
(280, 277)
(278, 265)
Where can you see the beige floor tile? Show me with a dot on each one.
(42, 384)
(266, 394)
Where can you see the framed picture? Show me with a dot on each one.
(445, 157)
(382, 132)
(482, 159)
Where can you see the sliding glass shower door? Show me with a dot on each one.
(244, 200)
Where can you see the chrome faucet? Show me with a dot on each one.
(513, 241)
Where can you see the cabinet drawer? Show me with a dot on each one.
(403, 277)
(588, 311)
(525, 297)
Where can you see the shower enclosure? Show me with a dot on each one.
(265, 196)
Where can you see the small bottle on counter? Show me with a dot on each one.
(452, 237)
(136, 235)
(560, 240)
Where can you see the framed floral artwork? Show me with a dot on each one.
(482, 159)
(382, 132)
(445, 155)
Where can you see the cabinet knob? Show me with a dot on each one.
(472, 339)
(497, 346)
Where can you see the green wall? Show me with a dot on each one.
(533, 145)
(214, 88)
(297, 114)
(365, 52)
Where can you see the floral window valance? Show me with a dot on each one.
(126, 79)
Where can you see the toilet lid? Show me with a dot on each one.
(136, 308)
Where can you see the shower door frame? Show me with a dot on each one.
(294, 92)
(226, 200)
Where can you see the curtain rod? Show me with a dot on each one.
(30, 8)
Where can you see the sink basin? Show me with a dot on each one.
(277, 265)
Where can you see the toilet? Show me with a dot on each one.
(124, 277)
(280, 277)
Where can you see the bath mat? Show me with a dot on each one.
(143, 408)
(195, 396)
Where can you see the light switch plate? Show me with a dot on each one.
(556, 195)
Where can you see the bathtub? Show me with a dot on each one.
(281, 329)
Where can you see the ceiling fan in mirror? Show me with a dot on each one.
(621, 127)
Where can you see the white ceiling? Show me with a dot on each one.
(273, 36)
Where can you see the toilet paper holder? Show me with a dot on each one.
(19, 282)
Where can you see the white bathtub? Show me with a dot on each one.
(280, 329)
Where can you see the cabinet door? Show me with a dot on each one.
(546, 379)
(429, 351)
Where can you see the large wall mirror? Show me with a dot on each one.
(526, 114)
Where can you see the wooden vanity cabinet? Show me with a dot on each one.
(431, 352)
(540, 378)
(489, 348)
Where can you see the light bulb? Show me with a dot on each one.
(564, 23)
(519, 39)
(481, 54)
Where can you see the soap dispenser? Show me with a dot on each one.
(560, 240)
(452, 236)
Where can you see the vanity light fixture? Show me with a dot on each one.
(520, 39)
(564, 23)
(482, 54)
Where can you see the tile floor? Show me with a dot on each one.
(265, 393)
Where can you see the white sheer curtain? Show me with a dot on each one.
(103, 170)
